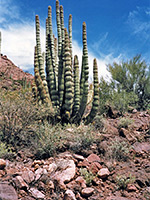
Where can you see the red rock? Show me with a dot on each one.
(103, 173)
(28, 176)
(2, 164)
(80, 180)
(131, 188)
(66, 171)
(84, 163)
(51, 185)
(20, 183)
(78, 157)
(93, 158)
(7, 192)
(86, 192)
(36, 193)
(141, 147)
(95, 167)
(125, 133)
(69, 195)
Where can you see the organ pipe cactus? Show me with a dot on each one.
(62, 85)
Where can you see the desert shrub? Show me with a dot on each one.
(118, 151)
(50, 140)
(6, 151)
(19, 117)
(82, 138)
(124, 122)
(87, 175)
(98, 122)
(122, 181)
(122, 100)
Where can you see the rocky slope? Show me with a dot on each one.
(11, 76)
(92, 174)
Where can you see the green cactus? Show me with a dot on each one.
(95, 103)
(41, 92)
(67, 92)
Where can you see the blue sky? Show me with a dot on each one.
(116, 29)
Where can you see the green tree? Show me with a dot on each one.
(133, 76)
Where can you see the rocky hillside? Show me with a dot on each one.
(11, 76)
(116, 167)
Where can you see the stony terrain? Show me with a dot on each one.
(11, 75)
(91, 174)
(116, 167)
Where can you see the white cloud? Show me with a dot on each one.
(8, 10)
(18, 42)
(139, 22)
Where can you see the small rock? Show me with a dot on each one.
(95, 167)
(131, 188)
(141, 147)
(7, 192)
(28, 176)
(78, 157)
(52, 167)
(20, 183)
(69, 195)
(36, 193)
(134, 111)
(66, 171)
(125, 133)
(37, 162)
(51, 185)
(103, 173)
(38, 173)
(86, 192)
(2, 164)
(80, 180)
(93, 158)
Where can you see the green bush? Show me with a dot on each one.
(6, 152)
(50, 140)
(87, 175)
(118, 151)
(124, 122)
(122, 181)
(20, 117)
(98, 122)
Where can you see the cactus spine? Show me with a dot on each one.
(66, 90)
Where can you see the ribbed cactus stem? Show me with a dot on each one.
(62, 24)
(85, 69)
(95, 103)
(34, 91)
(56, 61)
(61, 60)
(58, 28)
(39, 84)
(51, 36)
(46, 42)
(82, 78)
(76, 104)
(70, 34)
(0, 43)
(39, 54)
(68, 77)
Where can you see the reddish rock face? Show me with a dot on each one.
(9, 72)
